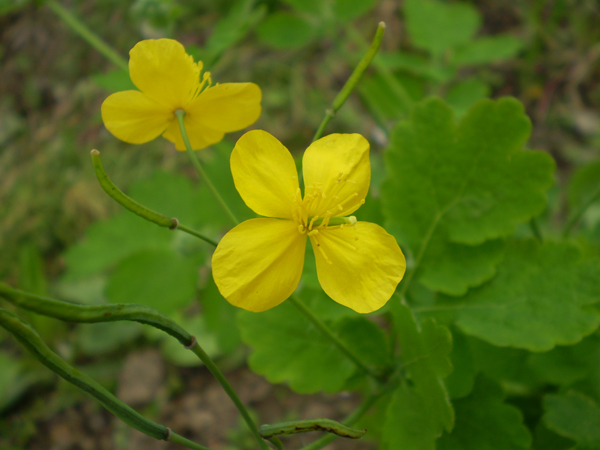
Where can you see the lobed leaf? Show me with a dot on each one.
(575, 416)
(542, 296)
(419, 412)
(484, 421)
(286, 347)
(452, 187)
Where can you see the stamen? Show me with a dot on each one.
(313, 232)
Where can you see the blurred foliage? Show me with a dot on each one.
(61, 235)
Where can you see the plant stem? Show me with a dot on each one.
(174, 437)
(146, 213)
(180, 114)
(350, 420)
(383, 71)
(299, 304)
(208, 362)
(582, 209)
(82, 30)
(343, 95)
(31, 340)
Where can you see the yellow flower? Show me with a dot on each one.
(169, 80)
(258, 264)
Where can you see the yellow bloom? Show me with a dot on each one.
(258, 264)
(169, 80)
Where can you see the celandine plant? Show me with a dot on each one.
(486, 306)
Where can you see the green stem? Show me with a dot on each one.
(174, 437)
(71, 312)
(306, 426)
(383, 71)
(343, 95)
(146, 213)
(579, 213)
(29, 338)
(180, 114)
(350, 420)
(299, 304)
(208, 362)
(82, 30)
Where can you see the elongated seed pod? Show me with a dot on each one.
(27, 336)
(305, 426)
(71, 312)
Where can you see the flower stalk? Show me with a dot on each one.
(343, 95)
(88, 35)
(31, 340)
(146, 213)
(180, 114)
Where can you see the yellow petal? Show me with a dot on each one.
(134, 117)
(264, 174)
(163, 71)
(258, 264)
(337, 172)
(358, 267)
(200, 136)
(226, 107)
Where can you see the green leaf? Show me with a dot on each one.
(487, 49)
(367, 340)
(102, 338)
(312, 7)
(241, 17)
(541, 297)
(584, 191)
(170, 194)
(285, 31)
(449, 265)
(417, 65)
(347, 10)
(381, 98)
(484, 421)
(564, 365)
(10, 372)
(419, 412)
(219, 315)
(109, 241)
(453, 186)
(197, 326)
(575, 416)
(160, 279)
(465, 93)
(115, 80)
(436, 26)
(460, 382)
(286, 347)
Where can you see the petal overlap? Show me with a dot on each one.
(258, 264)
(358, 267)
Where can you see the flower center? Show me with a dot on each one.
(318, 198)
(200, 84)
